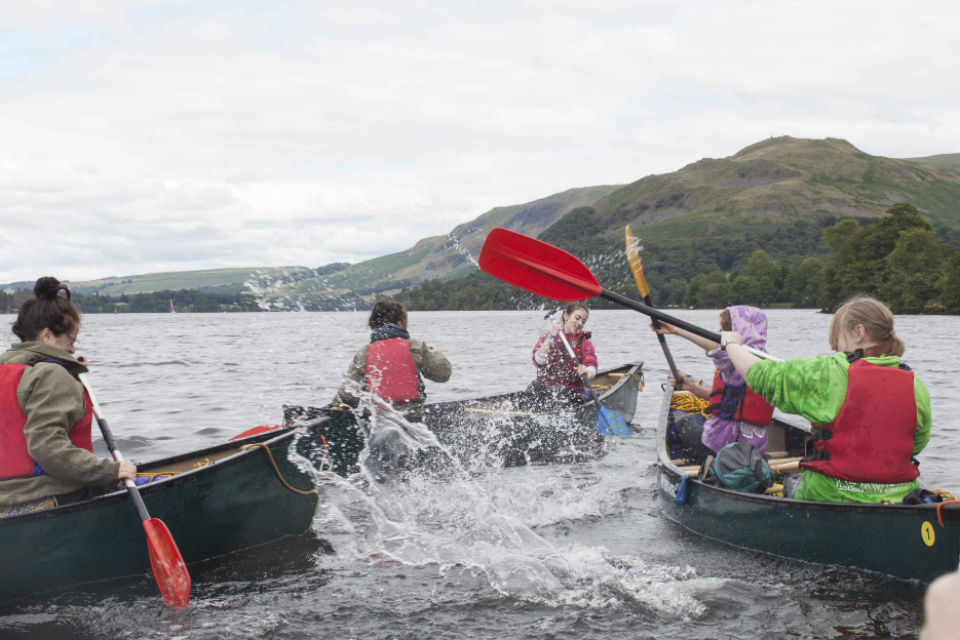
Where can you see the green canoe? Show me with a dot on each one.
(214, 501)
(910, 542)
(500, 428)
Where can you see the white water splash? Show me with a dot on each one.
(461, 524)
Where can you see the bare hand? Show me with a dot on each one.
(684, 381)
(127, 471)
(730, 337)
(663, 328)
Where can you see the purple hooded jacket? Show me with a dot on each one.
(751, 323)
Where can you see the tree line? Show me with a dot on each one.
(819, 263)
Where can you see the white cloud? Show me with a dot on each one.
(153, 136)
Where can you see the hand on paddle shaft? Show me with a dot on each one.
(547, 271)
(167, 564)
(636, 267)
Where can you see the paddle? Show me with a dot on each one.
(609, 422)
(547, 271)
(636, 267)
(168, 566)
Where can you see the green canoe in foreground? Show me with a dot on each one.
(910, 542)
(500, 429)
(220, 500)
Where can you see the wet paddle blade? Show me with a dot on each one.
(536, 266)
(609, 423)
(173, 580)
(636, 264)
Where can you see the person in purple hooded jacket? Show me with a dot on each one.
(736, 412)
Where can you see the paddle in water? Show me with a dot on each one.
(168, 566)
(543, 269)
(636, 267)
(609, 422)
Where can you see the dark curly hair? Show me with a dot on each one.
(47, 309)
(386, 312)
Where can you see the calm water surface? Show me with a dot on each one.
(538, 552)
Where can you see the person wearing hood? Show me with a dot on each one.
(736, 412)
(393, 365)
(870, 413)
(558, 377)
(46, 452)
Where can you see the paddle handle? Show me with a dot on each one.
(656, 314)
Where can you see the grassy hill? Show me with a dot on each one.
(777, 194)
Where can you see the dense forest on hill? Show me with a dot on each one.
(898, 258)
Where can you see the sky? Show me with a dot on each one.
(141, 137)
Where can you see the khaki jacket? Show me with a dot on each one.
(52, 400)
(431, 362)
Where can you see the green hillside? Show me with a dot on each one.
(709, 216)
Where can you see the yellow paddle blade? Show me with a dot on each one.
(636, 264)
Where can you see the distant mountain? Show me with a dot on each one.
(759, 190)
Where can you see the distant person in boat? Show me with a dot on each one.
(558, 379)
(46, 455)
(393, 365)
(870, 412)
(736, 412)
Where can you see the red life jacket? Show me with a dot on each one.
(15, 460)
(391, 371)
(559, 368)
(871, 439)
(739, 403)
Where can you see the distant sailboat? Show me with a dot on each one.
(172, 310)
(114, 308)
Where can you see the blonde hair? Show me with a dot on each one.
(877, 321)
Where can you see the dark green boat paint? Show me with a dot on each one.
(521, 437)
(231, 504)
(904, 541)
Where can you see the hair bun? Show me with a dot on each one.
(48, 287)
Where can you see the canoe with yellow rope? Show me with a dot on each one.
(908, 541)
(215, 501)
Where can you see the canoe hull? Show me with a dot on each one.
(228, 505)
(490, 426)
(903, 541)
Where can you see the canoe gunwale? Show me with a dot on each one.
(270, 438)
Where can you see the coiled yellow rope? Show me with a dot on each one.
(684, 401)
(277, 469)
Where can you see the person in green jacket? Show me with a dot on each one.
(870, 414)
(46, 458)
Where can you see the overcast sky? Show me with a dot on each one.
(138, 137)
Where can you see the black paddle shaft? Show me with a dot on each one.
(131, 486)
(659, 315)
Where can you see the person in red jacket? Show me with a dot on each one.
(393, 365)
(559, 379)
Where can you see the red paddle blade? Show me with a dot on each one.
(536, 266)
(173, 580)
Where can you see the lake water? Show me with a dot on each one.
(547, 552)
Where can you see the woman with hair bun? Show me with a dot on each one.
(46, 453)
(870, 413)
